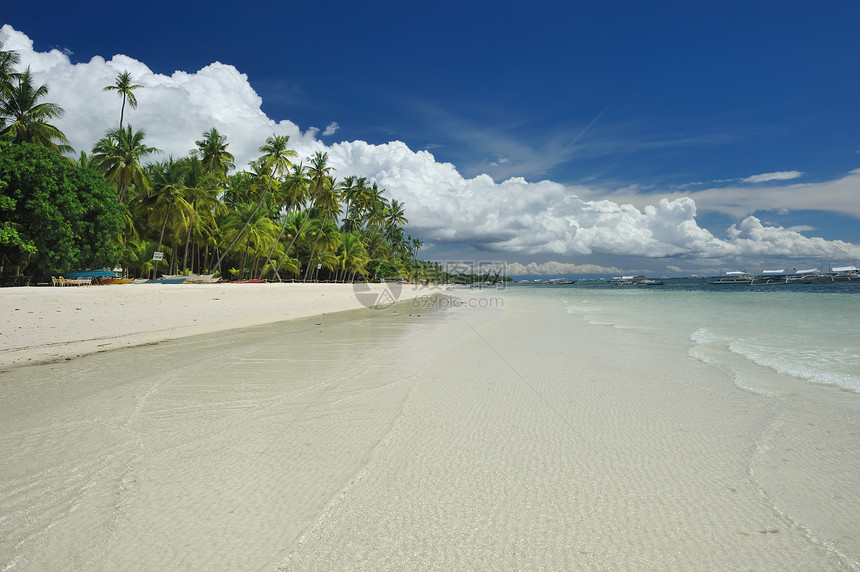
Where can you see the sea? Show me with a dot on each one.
(771, 339)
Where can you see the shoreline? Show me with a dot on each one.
(45, 325)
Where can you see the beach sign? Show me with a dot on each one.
(157, 256)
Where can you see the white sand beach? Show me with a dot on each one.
(46, 324)
(483, 436)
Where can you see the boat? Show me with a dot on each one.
(804, 276)
(734, 278)
(172, 280)
(769, 277)
(254, 281)
(193, 278)
(89, 276)
(117, 281)
(843, 274)
(640, 280)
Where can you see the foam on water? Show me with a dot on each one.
(759, 337)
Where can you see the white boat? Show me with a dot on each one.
(804, 276)
(844, 274)
(193, 278)
(639, 280)
(770, 277)
(734, 277)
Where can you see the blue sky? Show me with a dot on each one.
(743, 108)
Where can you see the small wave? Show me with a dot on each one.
(699, 354)
(741, 383)
(813, 365)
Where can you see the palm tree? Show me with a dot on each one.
(394, 218)
(295, 224)
(8, 76)
(124, 87)
(254, 227)
(353, 255)
(168, 186)
(318, 176)
(201, 192)
(416, 245)
(137, 256)
(275, 156)
(294, 193)
(24, 120)
(327, 202)
(118, 156)
(213, 152)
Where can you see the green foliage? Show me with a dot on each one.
(56, 216)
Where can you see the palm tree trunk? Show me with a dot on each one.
(314, 249)
(161, 238)
(287, 251)
(275, 244)
(187, 244)
(247, 222)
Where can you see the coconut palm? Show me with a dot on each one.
(24, 120)
(167, 196)
(254, 228)
(276, 157)
(124, 87)
(352, 255)
(8, 76)
(201, 192)
(327, 202)
(213, 152)
(294, 192)
(117, 155)
(137, 256)
(395, 217)
(296, 223)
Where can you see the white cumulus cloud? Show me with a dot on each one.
(515, 217)
(331, 129)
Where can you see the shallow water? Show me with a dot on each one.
(534, 428)
(796, 351)
(209, 452)
(809, 333)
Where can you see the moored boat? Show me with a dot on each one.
(193, 278)
(640, 280)
(770, 277)
(804, 276)
(734, 278)
(844, 274)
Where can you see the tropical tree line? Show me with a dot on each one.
(279, 219)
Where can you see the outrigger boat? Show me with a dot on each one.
(640, 280)
(804, 276)
(770, 277)
(734, 278)
(843, 274)
(193, 278)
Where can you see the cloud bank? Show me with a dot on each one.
(514, 218)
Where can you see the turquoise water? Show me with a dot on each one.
(771, 340)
